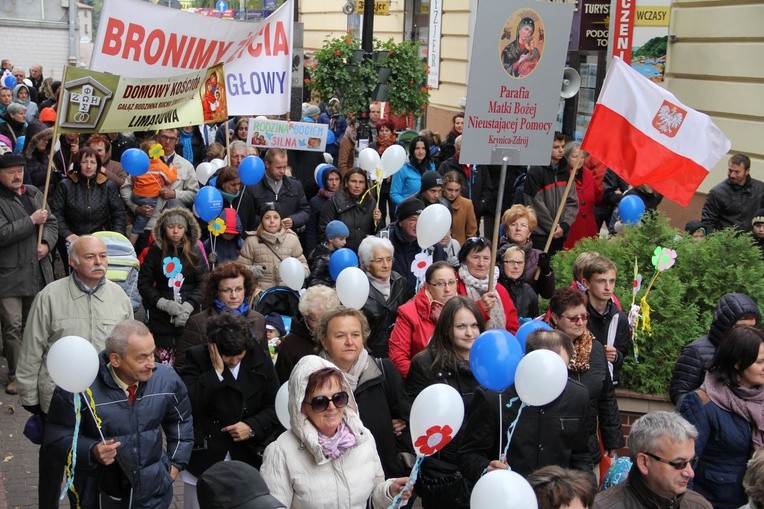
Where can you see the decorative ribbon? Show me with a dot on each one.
(412, 479)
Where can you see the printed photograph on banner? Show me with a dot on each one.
(521, 44)
(264, 133)
(214, 99)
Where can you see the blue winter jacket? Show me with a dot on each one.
(407, 182)
(723, 447)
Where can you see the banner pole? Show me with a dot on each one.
(496, 221)
(557, 216)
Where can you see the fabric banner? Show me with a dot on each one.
(644, 134)
(289, 135)
(140, 39)
(93, 101)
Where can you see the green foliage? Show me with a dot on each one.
(340, 70)
(654, 48)
(682, 299)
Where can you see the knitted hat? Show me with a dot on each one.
(234, 485)
(758, 217)
(48, 115)
(311, 111)
(336, 229)
(267, 207)
(232, 221)
(274, 321)
(409, 207)
(175, 218)
(431, 179)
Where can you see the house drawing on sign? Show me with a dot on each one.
(84, 102)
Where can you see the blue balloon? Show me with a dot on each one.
(135, 161)
(19, 146)
(9, 81)
(251, 170)
(631, 209)
(330, 137)
(213, 182)
(209, 203)
(528, 327)
(494, 357)
(340, 260)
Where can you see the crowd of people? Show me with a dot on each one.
(190, 388)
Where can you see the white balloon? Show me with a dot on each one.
(436, 416)
(352, 287)
(393, 159)
(282, 405)
(540, 377)
(73, 363)
(203, 172)
(369, 160)
(433, 224)
(261, 118)
(217, 163)
(292, 273)
(503, 489)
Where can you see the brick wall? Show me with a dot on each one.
(632, 406)
(45, 45)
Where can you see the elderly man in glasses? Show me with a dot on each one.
(662, 446)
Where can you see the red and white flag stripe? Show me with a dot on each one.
(644, 134)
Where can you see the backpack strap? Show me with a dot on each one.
(703, 396)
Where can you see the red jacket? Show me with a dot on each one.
(589, 194)
(509, 308)
(412, 331)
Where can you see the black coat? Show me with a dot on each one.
(382, 313)
(313, 235)
(603, 407)
(380, 399)
(291, 199)
(216, 403)
(318, 261)
(294, 346)
(526, 301)
(358, 217)
(478, 188)
(553, 434)
(84, 206)
(731, 205)
(405, 251)
(599, 325)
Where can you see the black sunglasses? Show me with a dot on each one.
(678, 465)
(321, 403)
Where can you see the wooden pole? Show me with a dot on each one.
(558, 215)
(497, 221)
(51, 153)
(227, 142)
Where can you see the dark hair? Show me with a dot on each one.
(441, 345)
(87, 151)
(321, 378)
(556, 486)
(458, 115)
(231, 333)
(558, 136)
(385, 122)
(435, 267)
(272, 153)
(425, 164)
(736, 352)
(227, 174)
(565, 298)
(741, 159)
(554, 340)
(473, 244)
(350, 173)
(228, 270)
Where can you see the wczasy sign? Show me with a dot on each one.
(144, 40)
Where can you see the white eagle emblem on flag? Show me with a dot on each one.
(669, 119)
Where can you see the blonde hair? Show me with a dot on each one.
(516, 212)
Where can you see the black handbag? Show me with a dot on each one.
(440, 484)
(115, 487)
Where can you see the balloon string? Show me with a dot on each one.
(377, 186)
(412, 479)
(71, 461)
(501, 426)
(511, 428)
(91, 406)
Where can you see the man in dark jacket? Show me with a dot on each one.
(27, 266)
(733, 202)
(553, 434)
(287, 192)
(477, 185)
(431, 191)
(690, 370)
(135, 400)
(662, 448)
(402, 234)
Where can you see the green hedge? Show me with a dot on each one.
(683, 297)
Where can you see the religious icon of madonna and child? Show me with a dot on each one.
(214, 96)
(521, 51)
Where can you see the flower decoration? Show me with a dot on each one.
(420, 264)
(156, 151)
(435, 438)
(176, 282)
(663, 258)
(216, 226)
(171, 266)
(636, 284)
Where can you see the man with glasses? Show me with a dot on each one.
(662, 450)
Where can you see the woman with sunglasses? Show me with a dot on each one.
(475, 262)
(589, 367)
(377, 386)
(447, 360)
(327, 460)
(511, 267)
(728, 411)
(416, 318)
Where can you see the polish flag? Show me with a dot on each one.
(644, 134)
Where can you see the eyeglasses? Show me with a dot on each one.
(163, 137)
(387, 260)
(444, 284)
(678, 464)
(517, 263)
(578, 318)
(321, 403)
(229, 291)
